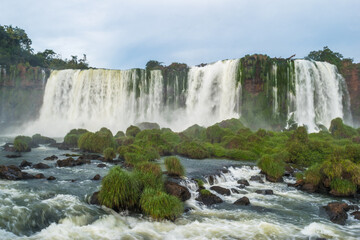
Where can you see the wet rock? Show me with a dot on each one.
(273, 179)
(265, 192)
(70, 162)
(90, 157)
(225, 171)
(95, 199)
(242, 201)
(188, 209)
(337, 212)
(356, 215)
(101, 165)
(9, 147)
(51, 178)
(241, 186)
(39, 176)
(308, 187)
(25, 164)
(243, 182)
(41, 166)
(338, 194)
(211, 180)
(208, 198)
(53, 157)
(221, 190)
(256, 178)
(96, 177)
(12, 172)
(352, 207)
(234, 190)
(177, 190)
(13, 156)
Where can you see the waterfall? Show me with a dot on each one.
(320, 93)
(314, 93)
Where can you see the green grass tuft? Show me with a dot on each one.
(173, 166)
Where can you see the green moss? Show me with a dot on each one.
(200, 183)
(271, 166)
(160, 205)
(132, 131)
(119, 134)
(205, 192)
(174, 167)
(119, 189)
(109, 154)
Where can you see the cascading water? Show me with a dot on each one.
(315, 94)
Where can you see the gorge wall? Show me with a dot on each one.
(265, 92)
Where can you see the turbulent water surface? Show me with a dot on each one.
(41, 209)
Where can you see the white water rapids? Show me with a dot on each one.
(115, 99)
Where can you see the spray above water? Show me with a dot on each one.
(115, 99)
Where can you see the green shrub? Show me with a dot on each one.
(313, 175)
(171, 137)
(71, 139)
(343, 186)
(339, 130)
(134, 158)
(160, 205)
(300, 135)
(173, 166)
(192, 149)
(109, 154)
(232, 124)
(195, 132)
(119, 190)
(132, 131)
(353, 152)
(214, 134)
(153, 138)
(271, 166)
(148, 167)
(234, 142)
(125, 141)
(216, 150)
(119, 134)
(147, 153)
(244, 155)
(149, 180)
(22, 144)
(96, 142)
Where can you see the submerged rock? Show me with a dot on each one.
(95, 199)
(177, 190)
(221, 190)
(356, 215)
(9, 147)
(13, 156)
(242, 201)
(337, 212)
(256, 178)
(101, 165)
(265, 192)
(273, 179)
(53, 157)
(208, 198)
(308, 187)
(41, 166)
(39, 176)
(25, 164)
(243, 182)
(51, 178)
(96, 177)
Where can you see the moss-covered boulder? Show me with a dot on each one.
(22, 144)
(38, 139)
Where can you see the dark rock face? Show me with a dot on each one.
(243, 182)
(53, 157)
(242, 201)
(337, 212)
(177, 190)
(41, 166)
(211, 180)
(70, 162)
(51, 178)
(101, 165)
(96, 177)
(308, 187)
(39, 176)
(221, 190)
(209, 199)
(12, 172)
(256, 178)
(356, 215)
(95, 199)
(25, 164)
(272, 179)
(265, 192)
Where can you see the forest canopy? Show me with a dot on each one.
(15, 48)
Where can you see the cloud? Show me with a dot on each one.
(126, 34)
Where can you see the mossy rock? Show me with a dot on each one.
(38, 139)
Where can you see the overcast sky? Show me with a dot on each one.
(126, 34)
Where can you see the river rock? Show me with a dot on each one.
(265, 192)
(95, 199)
(256, 178)
(337, 212)
(51, 178)
(211, 180)
(39, 176)
(96, 177)
(12, 172)
(53, 157)
(243, 182)
(209, 199)
(13, 156)
(356, 215)
(308, 187)
(273, 179)
(90, 157)
(70, 162)
(41, 166)
(9, 147)
(242, 201)
(101, 165)
(221, 190)
(177, 190)
(25, 164)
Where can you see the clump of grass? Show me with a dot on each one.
(343, 186)
(313, 175)
(132, 131)
(149, 167)
(271, 166)
(22, 144)
(173, 166)
(192, 149)
(109, 154)
(119, 190)
(160, 205)
(149, 180)
(134, 158)
(200, 183)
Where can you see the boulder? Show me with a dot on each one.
(221, 190)
(256, 178)
(234, 190)
(90, 157)
(9, 147)
(177, 190)
(12, 172)
(53, 157)
(209, 199)
(51, 178)
(13, 156)
(95, 199)
(39, 176)
(337, 212)
(356, 215)
(243, 182)
(101, 165)
(41, 166)
(70, 162)
(96, 177)
(242, 201)
(265, 192)
(25, 164)
(273, 179)
(211, 180)
(308, 187)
